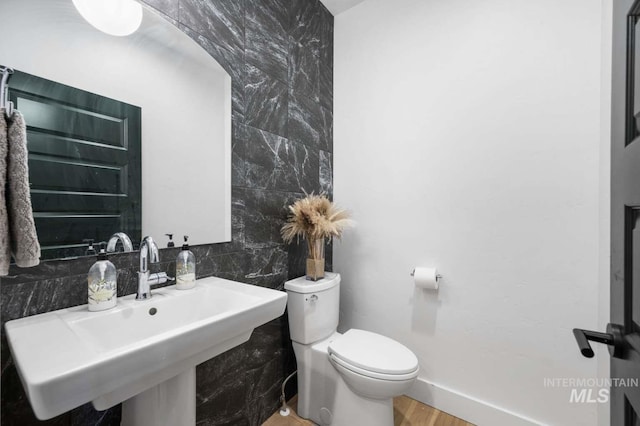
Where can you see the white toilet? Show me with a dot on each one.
(343, 379)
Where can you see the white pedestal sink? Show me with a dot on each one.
(142, 353)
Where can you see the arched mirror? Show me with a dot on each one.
(125, 133)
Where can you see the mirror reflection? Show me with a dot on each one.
(125, 133)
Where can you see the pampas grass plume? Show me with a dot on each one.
(315, 217)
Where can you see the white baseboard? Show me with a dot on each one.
(472, 410)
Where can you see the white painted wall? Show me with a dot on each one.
(184, 94)
(468, 137)
(339, 6)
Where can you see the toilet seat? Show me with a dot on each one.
(373, 374)
(373, 355)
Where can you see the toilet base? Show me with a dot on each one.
(326, 399)
(353, 409)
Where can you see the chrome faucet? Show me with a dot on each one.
(119, 236)
(148, 254)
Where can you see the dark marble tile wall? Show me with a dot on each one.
(280, 56)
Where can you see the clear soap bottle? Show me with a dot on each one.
(103, 284)
(185, 267)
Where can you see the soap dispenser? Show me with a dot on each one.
(185, 268)
(103, 283)
(90, 251)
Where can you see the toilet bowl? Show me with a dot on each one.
(343, 379)
(373, 365)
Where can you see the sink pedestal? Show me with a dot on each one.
(172, 402)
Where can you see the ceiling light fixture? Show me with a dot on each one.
(114, 17)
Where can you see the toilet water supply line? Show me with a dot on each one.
(285, 411)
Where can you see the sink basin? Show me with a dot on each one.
(69, 357)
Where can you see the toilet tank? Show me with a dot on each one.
(313, 307)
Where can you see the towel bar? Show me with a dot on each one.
(4, 91)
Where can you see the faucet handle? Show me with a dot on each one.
(159, 278)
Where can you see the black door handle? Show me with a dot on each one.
(612, 338)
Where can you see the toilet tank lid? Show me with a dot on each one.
(302, 285)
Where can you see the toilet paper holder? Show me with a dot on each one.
(438, 276)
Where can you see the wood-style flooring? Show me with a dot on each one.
(406, 412)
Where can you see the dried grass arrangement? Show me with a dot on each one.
(315, 218)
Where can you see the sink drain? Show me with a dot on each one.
(152, 311)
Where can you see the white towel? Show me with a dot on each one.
(25, 247)
(5, 247)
